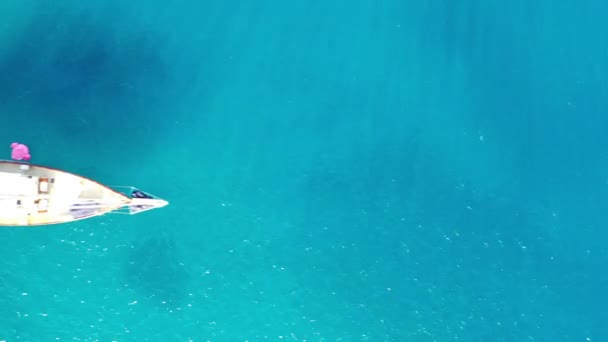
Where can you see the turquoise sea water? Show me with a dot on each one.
(337, 170)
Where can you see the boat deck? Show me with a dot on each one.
(37, 195)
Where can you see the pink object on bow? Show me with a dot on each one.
(20, 152)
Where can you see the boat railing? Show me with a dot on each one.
(137, 205)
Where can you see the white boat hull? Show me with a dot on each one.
(32, 195)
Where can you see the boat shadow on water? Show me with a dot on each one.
(154, 269)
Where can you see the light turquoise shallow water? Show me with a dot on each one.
(337, 171)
